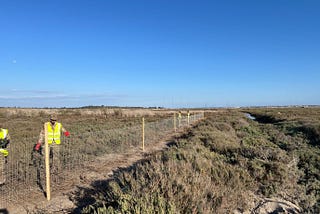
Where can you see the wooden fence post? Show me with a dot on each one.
(174, 122)
(143, 134)
(46, 149)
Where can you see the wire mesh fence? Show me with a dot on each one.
(24, 169)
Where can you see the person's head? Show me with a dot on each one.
(53, 118)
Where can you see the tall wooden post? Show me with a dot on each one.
(188, 115)
(143, 134)
(46, 149)
(174, 122)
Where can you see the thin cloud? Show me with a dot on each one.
(30, 91)
(42, 98)
(15, 94)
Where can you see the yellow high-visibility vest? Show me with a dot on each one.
(3, 133)
(54, 134)
(4, 152)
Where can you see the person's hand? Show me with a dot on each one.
(67, 134)
(37, 146)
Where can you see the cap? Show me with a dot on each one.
(53, 117)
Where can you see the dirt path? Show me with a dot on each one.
(76, 189)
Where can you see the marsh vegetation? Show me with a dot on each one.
(226, 163)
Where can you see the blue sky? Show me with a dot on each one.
(175, 53)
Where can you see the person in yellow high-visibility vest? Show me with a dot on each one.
(4, 142)
(54, 130)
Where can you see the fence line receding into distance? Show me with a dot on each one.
(25, 170)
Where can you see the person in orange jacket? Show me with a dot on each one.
(54, 130)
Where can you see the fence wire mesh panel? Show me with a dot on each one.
(157, 130)
(24, 168)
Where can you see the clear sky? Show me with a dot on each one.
(169, 53)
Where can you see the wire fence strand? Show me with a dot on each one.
(25, 171)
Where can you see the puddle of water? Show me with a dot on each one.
(250, 116)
